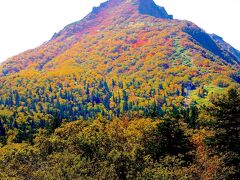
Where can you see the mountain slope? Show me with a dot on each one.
(109, 14)
(224, 45)
(99, 18)
(126, 56)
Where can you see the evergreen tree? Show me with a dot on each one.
(226, 111)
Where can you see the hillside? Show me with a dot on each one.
(123, 57)
(134, 17)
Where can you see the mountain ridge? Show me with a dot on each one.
(106, 14)
(221, 43)
(147, 7)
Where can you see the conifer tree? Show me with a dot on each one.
(226, 111)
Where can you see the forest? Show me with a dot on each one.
(191, 143)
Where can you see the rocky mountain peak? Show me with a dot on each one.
(144, 7)
(149, 7)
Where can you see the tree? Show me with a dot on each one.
(167, 139)
(191, 116)
(125, 101)
(2, 133)
(226, 111)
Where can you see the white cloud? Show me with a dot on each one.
(26, 24)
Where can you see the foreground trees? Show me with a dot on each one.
(226, 141)
(173, 147)
(118, 149)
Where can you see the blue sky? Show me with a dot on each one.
(26, 24)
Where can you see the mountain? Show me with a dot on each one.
(120, 14)
(128, 92)
(125, 57)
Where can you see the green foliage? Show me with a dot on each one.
(119, 149)
(167, 139)
(226, 111)
(142, 148)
